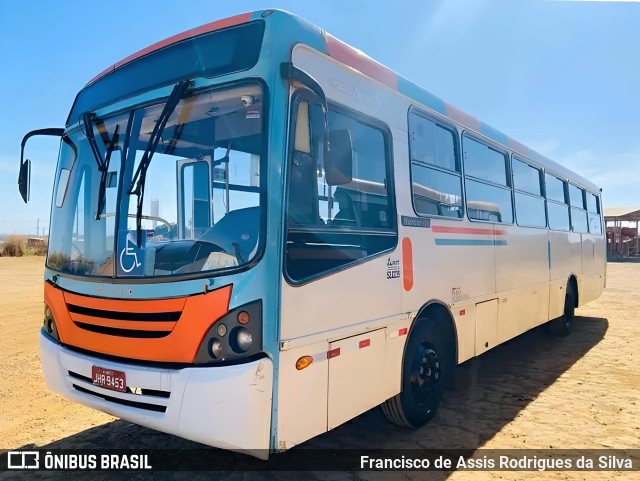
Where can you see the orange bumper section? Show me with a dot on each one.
(166, 330)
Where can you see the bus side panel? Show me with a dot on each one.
(464, 317)
(302, 399)
(593, 268)
(355, 366)
(565, 254)
(397, 334)
(522, 276)
(521, 261)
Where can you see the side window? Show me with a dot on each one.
(593, 214)
(529, 202)
(484, 163)
(557, 208)
(334, 220)
(436, 183)
(579, 222)
(576, 196)
(486, 183)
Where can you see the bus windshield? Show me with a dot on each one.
(201, 198)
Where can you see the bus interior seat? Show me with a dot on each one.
(238, 229)
(302, 208)
(347, 215)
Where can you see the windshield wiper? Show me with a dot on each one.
(103, 164)
(88, 127)
(137, 183)
(105, 169)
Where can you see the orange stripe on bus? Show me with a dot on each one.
(360, 61)
(466, 230)
(407, 264)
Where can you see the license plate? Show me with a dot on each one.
(109, 378)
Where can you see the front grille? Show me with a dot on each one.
(138, 391)
(126, 316)
(125, 402)
(85, 385)
(116, 331)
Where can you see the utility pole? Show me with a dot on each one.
(38, 227)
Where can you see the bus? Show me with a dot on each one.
(258, 233)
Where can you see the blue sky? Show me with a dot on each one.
(561, 77)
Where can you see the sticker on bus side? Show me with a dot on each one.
(393, 268)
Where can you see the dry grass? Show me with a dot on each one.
(18, 246)
(14, 246)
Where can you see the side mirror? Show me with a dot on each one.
(24, 177)
(24, 180)
(338, 164)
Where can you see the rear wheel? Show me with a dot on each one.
(562, 325)
(422, 378)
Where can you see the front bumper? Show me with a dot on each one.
(227, 407)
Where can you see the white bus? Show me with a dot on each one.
(259, 233)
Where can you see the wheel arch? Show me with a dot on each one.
(573, 282)
(436, 311)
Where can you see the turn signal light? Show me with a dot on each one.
(303, 362)
(243, 317)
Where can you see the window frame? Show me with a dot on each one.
(584, 198)
(565, 189)
(451, 127)
(541, 172)
(303, 94)
(508, 177)
(598, 213)
(582, 210)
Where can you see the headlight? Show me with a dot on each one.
(236, 335)
(215, 349)
(49, 323)
(243, 339)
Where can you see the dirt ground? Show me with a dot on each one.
(534, 392)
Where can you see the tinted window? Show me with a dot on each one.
(555, 188)
(436, 192)
(530, 210)
(576, 196)
(432, 144)
(526, 178)
(488, 202)
(330, 226)
(578, 220)
(483, 162)
(436, 181)
(212, 54)
(558, 216)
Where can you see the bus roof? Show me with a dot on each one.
(300, 30)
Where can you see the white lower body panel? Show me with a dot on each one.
(227, 407)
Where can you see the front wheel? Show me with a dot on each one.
(422, 378)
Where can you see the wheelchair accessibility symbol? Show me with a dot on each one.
(130, 257)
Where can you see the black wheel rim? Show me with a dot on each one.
(425, 375)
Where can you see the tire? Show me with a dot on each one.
(423, 377)
(563, 325)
